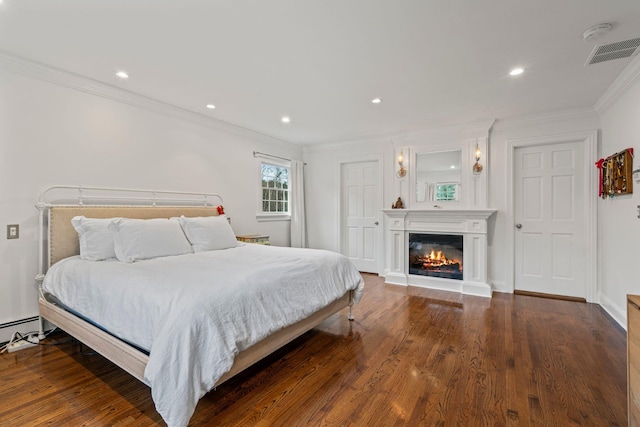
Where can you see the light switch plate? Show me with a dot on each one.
(13, 231)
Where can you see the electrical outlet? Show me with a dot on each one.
(21, 345)
(13, 231)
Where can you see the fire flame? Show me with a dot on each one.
(437, 259)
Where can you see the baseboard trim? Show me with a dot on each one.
(550, 296)
(477, 289)
(499, 286)
(618, 314)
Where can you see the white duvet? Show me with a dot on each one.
(195, 312)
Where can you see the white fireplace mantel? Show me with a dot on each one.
(470, 223)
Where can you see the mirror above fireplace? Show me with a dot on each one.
(438, 177)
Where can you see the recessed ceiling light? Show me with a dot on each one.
(211, 106)
(453, 166)
(516, 71)
(122, 75)
(286, 119)
(596, 31)
(376, 100)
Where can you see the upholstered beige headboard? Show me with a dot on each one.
(63, 239)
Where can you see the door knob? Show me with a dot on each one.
(518, 226)
(376, 223)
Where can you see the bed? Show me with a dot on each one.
(186, 322)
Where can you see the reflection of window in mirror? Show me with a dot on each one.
(446, 191)
(438, 176)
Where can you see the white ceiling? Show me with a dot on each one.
(433, 62)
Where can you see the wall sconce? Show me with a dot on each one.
(402, 171)
(477, 167)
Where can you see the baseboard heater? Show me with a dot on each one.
(16, 323)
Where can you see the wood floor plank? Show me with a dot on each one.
(412, 357)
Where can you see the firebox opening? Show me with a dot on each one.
(435, 255)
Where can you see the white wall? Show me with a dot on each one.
(50, 134)
(618, 222)
(322, 182)
(323, 174)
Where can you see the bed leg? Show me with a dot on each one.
(351, 312)
(39, 280)
(41, 334)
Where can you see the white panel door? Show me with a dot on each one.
(550, 248)
(360, 205)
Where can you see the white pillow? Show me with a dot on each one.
(208, 233)
(96, 240)
(137, 239)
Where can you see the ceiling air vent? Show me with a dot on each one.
(611, 51)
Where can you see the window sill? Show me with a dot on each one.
(273, 217)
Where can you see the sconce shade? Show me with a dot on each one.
(477, 167)
(402, 171)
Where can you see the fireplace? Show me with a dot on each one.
(410, 233)
(436, 255)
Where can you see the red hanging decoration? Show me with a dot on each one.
(220, 209)
(599, 164)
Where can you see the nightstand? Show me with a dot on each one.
(261, 239)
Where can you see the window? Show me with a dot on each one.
(446, 191)
(275, 189)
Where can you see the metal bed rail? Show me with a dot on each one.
(150, 196)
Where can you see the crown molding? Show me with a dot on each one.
(625, 80)
(399, 139)
(309, 148)
(40, 71)
(557, 116)
(456, 130)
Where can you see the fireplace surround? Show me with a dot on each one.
(461, 237)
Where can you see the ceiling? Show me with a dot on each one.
(432, 62)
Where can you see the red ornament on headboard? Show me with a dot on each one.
(220, 209)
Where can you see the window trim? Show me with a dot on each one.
(271, 216)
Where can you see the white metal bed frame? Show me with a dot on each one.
(122, 354)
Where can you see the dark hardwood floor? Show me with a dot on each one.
(412, 357)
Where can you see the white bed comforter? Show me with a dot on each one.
(195, 312)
